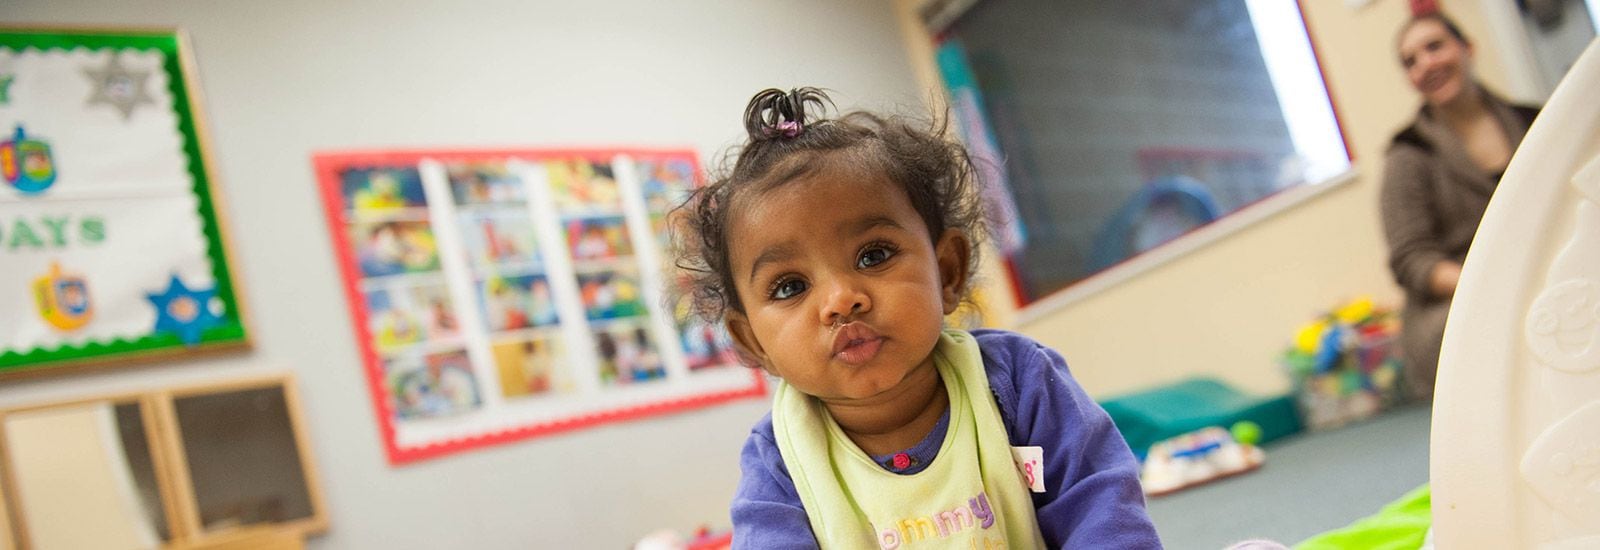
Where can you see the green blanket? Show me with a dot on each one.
(1400, 525)
(1148, 417)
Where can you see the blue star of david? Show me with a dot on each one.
(183, 311)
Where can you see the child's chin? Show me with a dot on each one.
(875, 383)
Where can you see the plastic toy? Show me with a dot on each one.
(1200, 457)
(1343, 364)
(1160, 211)
(1516, 412)
(1246, 432)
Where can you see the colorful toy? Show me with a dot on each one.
(1246, 432)
(1199, 457)
(1344, 365)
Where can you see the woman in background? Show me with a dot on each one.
(1439, 174)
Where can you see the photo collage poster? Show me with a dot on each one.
(505, 295)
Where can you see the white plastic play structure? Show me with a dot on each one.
(1515, 457)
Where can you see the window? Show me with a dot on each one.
(1105, 128)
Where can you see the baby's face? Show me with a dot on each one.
(842, 287)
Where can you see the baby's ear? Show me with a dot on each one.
(954, 253)
(744, 339)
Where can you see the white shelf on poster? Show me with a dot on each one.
(619, 263)
(425, 347)
(525, 334)
(591, 214)
(629, 322)
(415, 214)
(489, 209)
(482, 272)
(422, 278)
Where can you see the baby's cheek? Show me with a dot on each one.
(792, 340)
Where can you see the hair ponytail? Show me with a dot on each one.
(774, 114)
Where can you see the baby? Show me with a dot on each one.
(832, 250)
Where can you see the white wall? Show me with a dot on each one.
(282, 79)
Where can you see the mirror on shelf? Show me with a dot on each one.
(86, 460)
(243, 430)
(170, 468)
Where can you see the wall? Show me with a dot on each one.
(1228, 308)
(283, 79)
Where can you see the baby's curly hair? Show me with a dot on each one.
(789, 138)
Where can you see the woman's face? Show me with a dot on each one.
(1438, 64)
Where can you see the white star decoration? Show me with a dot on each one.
(118, 87)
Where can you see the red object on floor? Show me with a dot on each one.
(719, 542)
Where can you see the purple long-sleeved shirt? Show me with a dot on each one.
(1092, 497)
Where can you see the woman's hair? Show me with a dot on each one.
(789, 138)
(1438, 16)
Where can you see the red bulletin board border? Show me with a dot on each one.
(328, 166)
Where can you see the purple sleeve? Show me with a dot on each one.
(1092, 495)
(766, 509)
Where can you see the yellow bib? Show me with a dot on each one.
(970, 496)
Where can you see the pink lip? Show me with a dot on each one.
(856, 343)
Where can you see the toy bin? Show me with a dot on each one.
(1345, 366)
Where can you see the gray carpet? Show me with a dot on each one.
(1312, 482)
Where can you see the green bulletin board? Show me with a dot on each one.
(112, 247)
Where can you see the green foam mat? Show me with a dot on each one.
(1148, 417)
(1400, 525)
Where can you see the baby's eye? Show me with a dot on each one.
(874, 256)
(787, 288)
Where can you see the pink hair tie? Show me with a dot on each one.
(789, 128)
